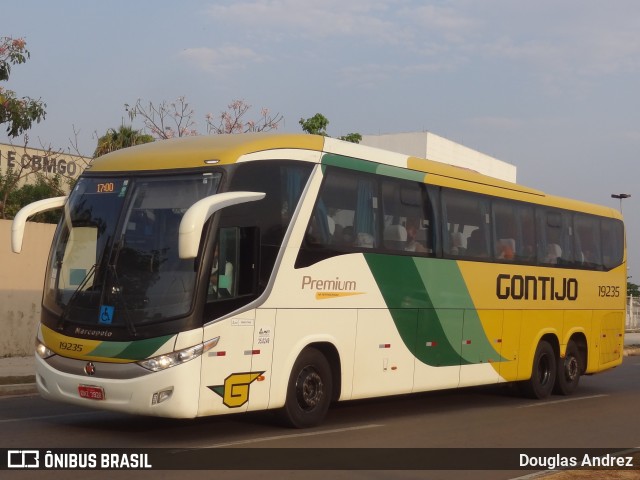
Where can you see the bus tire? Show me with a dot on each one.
(569, 370)
(543, 373)
(309, 390)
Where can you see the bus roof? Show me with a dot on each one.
(200, 151)
(194, 152)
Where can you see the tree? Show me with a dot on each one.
(122, 138)
(232, 120)
(317, 125)
(176, 119)
(633, 289)
(165, 120)
(43, 187)
(18, 113)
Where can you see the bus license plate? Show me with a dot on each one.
(91, 392)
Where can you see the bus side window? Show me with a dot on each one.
(222, 281)
(612, 242)
(555, 237)
(468, 214)
(587, 241)
(346, 212)
(513, 231)
(407, 216)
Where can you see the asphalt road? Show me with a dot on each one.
(604, 413)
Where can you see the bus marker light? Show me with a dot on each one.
(252, 352)
(385, 345)
(218, 354)
(466, 342)
(431, 344)
(260, 378)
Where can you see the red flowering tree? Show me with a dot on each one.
(176, 119)
(17, 113)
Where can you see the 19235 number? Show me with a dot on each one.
(72, 347)
(608, 291)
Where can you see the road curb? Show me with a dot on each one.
(18, 389)
(632, 351)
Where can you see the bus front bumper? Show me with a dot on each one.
(129, 388)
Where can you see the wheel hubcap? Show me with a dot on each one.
(309, 389)
(571, 368)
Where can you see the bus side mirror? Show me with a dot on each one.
(197, 215)
(20, 220)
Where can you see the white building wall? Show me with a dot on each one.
(433, 147)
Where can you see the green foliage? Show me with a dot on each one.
(18, 113)
(633, 289)
(317, 125)
(16, 198)
(122, 138)
(352, 137)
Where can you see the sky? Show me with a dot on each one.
(549, 86)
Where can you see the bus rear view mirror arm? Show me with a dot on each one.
(197, 215)
(20, 220)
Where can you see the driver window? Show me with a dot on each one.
(222, 280)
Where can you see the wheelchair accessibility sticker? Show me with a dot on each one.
(106, 315)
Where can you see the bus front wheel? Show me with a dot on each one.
(543, 373)
(308, 391)
(569, 370)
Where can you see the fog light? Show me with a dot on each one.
(161, 396)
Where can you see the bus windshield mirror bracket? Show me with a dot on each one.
(197, 215)
(20, 220)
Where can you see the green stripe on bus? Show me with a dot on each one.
(349, 162)
(406, 297)
(431, 308)
(372, 167)
(136, 350)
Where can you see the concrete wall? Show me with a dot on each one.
(21, 281)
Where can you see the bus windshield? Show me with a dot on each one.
(115, 259)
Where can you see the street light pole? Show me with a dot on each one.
(620, 196)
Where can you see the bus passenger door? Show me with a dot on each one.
(262, 358)
(226, 369)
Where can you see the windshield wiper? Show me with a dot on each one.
(116, 289)
(74, 295)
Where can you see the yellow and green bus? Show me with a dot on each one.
(236, 273)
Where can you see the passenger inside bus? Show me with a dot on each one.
(554, 252)
(413, 245)
(221, 282)
(476, 244)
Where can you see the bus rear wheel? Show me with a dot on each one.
(309, 390)
(543, 374)
(569, 371)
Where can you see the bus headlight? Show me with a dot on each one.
(162, 362)
(43, 351)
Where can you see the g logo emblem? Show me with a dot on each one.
(235, 391)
